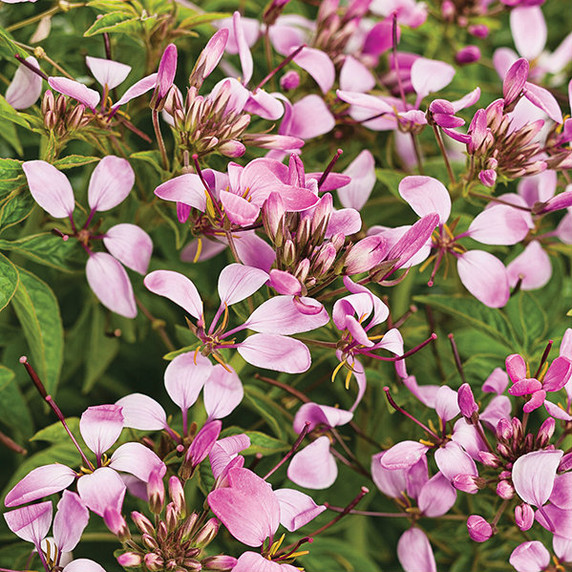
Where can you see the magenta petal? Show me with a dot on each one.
(142, 412)
(428, 76)
(437, 496)
(403, 455)
(222, 393)
(531, 556)
(485, 277)
(533, 475)
(110, 183)
(83, 565)
(314, 467)
(26, 86)
(561, 495)
(426, 195)
(532, 267)
(558, 374)
(253, 562)
(167, 70)
(225, 450)
(177, 288)
(50, 188)
(296, 508)
(185, 376)
(110, 283)
(203, 443)
(278, 353)
(280, 315)
(70, 521)
(31, 523)
(137, 460)
(107, 72)
(515, 79)
(248, 507)
(500, 224)
(89, 97)
(525, 386)
(102, 489)
(315, 415)
(213, 51)
(497, 381)
(40, 482)
(362, 173)
(100, 426)
(414, 552)
(544, 100)
(244, 54)
(131, 245)
(515, 367)
(237, 282)
(319, 65)
(137, 89)
(529, 32)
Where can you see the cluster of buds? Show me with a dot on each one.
(61, 116)
(177, 539)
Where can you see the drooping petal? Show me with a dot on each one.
(107, 72)
(40, 482)
(142, 412)
(390, 482)
(100, 426)
(532, 267)
(437, 496)
(26, 86)
(225, 450)
(70, 521)
(131, 245)
(362, 172)
(89, 97)
(101, 489)
(244, 54)
(533, 475)
(446, 403)
(237, 282)
(529, 32)
(223, 392)
(485, 277)
(185, 376)
(314, 467)
(296, 508)
(452, 460)
(31, 523)
(414, 552)
(428, 76)
(278, 353)
(177, 288)
(110, 183)
(531, 556)
(50, 188)
(110, 283)
(426, 195)
(544, 100)
(137, 460)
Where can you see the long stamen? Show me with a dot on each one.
(329, 168)
(63, 236)
(283, 63)
(431, 338)
(199, 172)
(544, 358)
(31, 67)
(457, 357)
(297, 443)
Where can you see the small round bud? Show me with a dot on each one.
(290, 80)
(479, 529)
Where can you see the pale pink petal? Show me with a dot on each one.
(26, 86)
(264, 105)
(427, 394)
(239, 210)
(467, 101)
(531, 556)
(564, 229)
(131, 245)
(185, 376)
(452, 460)
(532, 267)
(31, 523)
(89, 97)
(556, 411)
(362, 172)
(446, 403)
(137, 460)
(254, 251)
(556, 61)
(390, 482)
(289, 32)
(70, 521)
(354, 76)
(503, 58)
(314, 467)
(50, 188)
(142, 412)
(500, 224)
(187, 189)
(101, 489)
(100, 426)
(284, 283)
(562, 547)
(544, 100)
(319, 65)
(280, 315)
(315, 415)
(225, 450)
(437, 496)
(296, 508)
(83, 565)
(222, 392)
(468, 437)
(278, 353)
(426, 195)
(403, 455)
(533, 475)
(368, 102)
(485, 277)
(243, 49)
(177, 288)
(110, 183)
(110, 283)
(529, 32)
(40, 482)
(414, 552)
(107, 72)
(428, 76)
(392, 341)
(562, 493)
(137, 89)
(344, 221)
(237, 282)
(310, 118)
(253, 562)
(539, 187)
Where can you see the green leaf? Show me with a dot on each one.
(264, 444)
(112, 6)
(528, 319)
(8, 281)
(152, 158)
(114, 22)
(14, 411)
(16, 202)
(39, 315)
(7, 112)
(272, 413)
(8, 48)
(72, 161)
(46, 249)
(10, 134)
(172, 355)
(391, 179)
(199, 19)
(56, 434)
(329, 554)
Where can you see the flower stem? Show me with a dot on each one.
(297, 443)
(160, 141)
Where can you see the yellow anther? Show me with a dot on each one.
(427, 262)
(338, 367)
(425, 442)
(222, 362)
(199, 249)
(195, 356)
(448, 231)
(348, 378)
(224, 318)
(543, 372)
(301, 553)
(274, 548)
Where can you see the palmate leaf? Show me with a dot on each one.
(39, 314)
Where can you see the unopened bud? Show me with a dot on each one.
(129, 559)
(50, 120)
(190, 565)
(220, 563)
(142, 523)
(468, 483)
(524, 516)
(303, 233)
(565, 463)
(503, 450)
(74, 119)
(177, 495)
(479, 529)
(504, 429)
(188, 527)
(232, 148)
(505, 490)
(478, 30)
(467, 403)
(153, 562)
(171, 517)
(48, 102)
(489, 459)
(116, 523)
(288, 253)
(488, 177)
(207, 533)
(60, 107)
(149, 542)
(468, 55)
(290, 80)
(162, 533)
(545, 432)
(365, 255)
(515, 80)
(156, 491)
(448, 10)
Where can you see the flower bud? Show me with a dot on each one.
(288, 253)
(177, 495)
(190, 564)
(467, 483)
(232, 148)
(48, 102)
(142, 523)
(129, 559)
(207, 532)
(489, 459)
(468, 55)
(478, 30)
(479, 529)
(488, 177)
(467, 403)
(290, 80)
(219, 563)
(116, 523)
(448, 10)
(74, 119)
(162, 533)
(365, 254)
(203, 443)
(171, 517)
(565, 463)
(524, 516)
(545, 432)
(273, 218)
(156, 491)
(504, 429)
(505, 490)
(60, 107)
(188, 526)
(153, 562)
(149, 542)
(515, 80)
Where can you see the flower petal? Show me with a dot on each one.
(83, 565)
(531, 556)
(319, 65)
(142, 412)
(26, 86)
(426, 195)
(131, 245)
(532, 267)
(414, 552)
(222, 393)
(31, 523)
(177, 288)
(185, 376)
(137, 460)
(237, 282)
(296, 508)
(362, 173)
(102, 489)
(110, 183)
(533, 475)
(100, 426)
(314, 467)
(107, 72)
(529, 32)
(89, 97)
(428, 76)
(500, 224)
(278, 353)
(70, 521)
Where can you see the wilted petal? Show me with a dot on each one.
(237, 282)
(26, 86)
(500, 224)
(110, 283)
(403, 455)
(70, 521)
(110, 183)
(50, 188)
(314, 467)
(296, 508)
(426, 195)
(31, 523)
(102, 489)
(362, 172)
(223, 392)
(414, 552)
(533, 475)
(528, 28)
(278, 353)
(100, 426)
(177, 288)
(437, 496)
(142, 412)
(185, 376)
(137, 460)
(131, 245)
(107, 72)
(319, 65)
(89, 97)
(485, 277)
(428, 76)
(531, 556)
